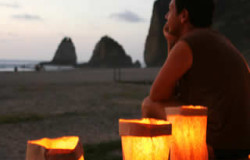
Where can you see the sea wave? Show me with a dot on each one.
(28, 65)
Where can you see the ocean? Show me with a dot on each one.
(27, 66)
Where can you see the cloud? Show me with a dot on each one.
(8, 36)
(28, 17)
(127, 16)
(10, 5)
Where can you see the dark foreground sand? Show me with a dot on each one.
(83, 102)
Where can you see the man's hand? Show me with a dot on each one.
(167, 34)
(171, 39)
(151, 109)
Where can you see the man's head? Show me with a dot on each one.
(200, 11)
(186, 13)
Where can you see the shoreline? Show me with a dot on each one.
(78, 75)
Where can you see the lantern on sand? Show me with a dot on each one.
(63, 148)
(145, 139)
(189, 132)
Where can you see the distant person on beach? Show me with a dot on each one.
(204, 68)
(15, 69)
(38, 67)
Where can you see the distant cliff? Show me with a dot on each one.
(232, 18)
(109, 53)
(65, 53)
(155, 52)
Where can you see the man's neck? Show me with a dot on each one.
(187, 28)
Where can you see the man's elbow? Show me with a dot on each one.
(154, 97)
(157, 96)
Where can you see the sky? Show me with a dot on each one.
(33, 29)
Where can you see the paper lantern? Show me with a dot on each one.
(189, 132)
(63, 148)
(145, 139)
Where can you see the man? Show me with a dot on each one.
(204, 68)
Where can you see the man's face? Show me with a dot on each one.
(173, 21)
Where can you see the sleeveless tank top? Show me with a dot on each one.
(219, 79)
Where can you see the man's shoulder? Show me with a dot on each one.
(201, 32)
(203, 36)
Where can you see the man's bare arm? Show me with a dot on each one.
(177, 64)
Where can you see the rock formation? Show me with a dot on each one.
(137, 64)
(155, 51)
(109, 53)
(232, 18)
(65, 54)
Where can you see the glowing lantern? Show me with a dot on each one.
(145, 139)
(189, 132)
(63, 148)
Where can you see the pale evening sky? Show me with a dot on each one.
(33, 29)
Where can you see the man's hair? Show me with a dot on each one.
(200, 11)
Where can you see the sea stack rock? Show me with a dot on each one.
(155, 52)
(65, 54)
(137, 64)
(109, 53)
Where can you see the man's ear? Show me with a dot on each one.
(184, 16)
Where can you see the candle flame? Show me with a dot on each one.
(81, 158)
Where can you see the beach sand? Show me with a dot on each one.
(82, 102)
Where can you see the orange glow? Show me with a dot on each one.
(189, 136)
(67, 147)
(142, 148)
(193, 107)
(57, 143)
(145, 121)
(81, 158)
(148, 147)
